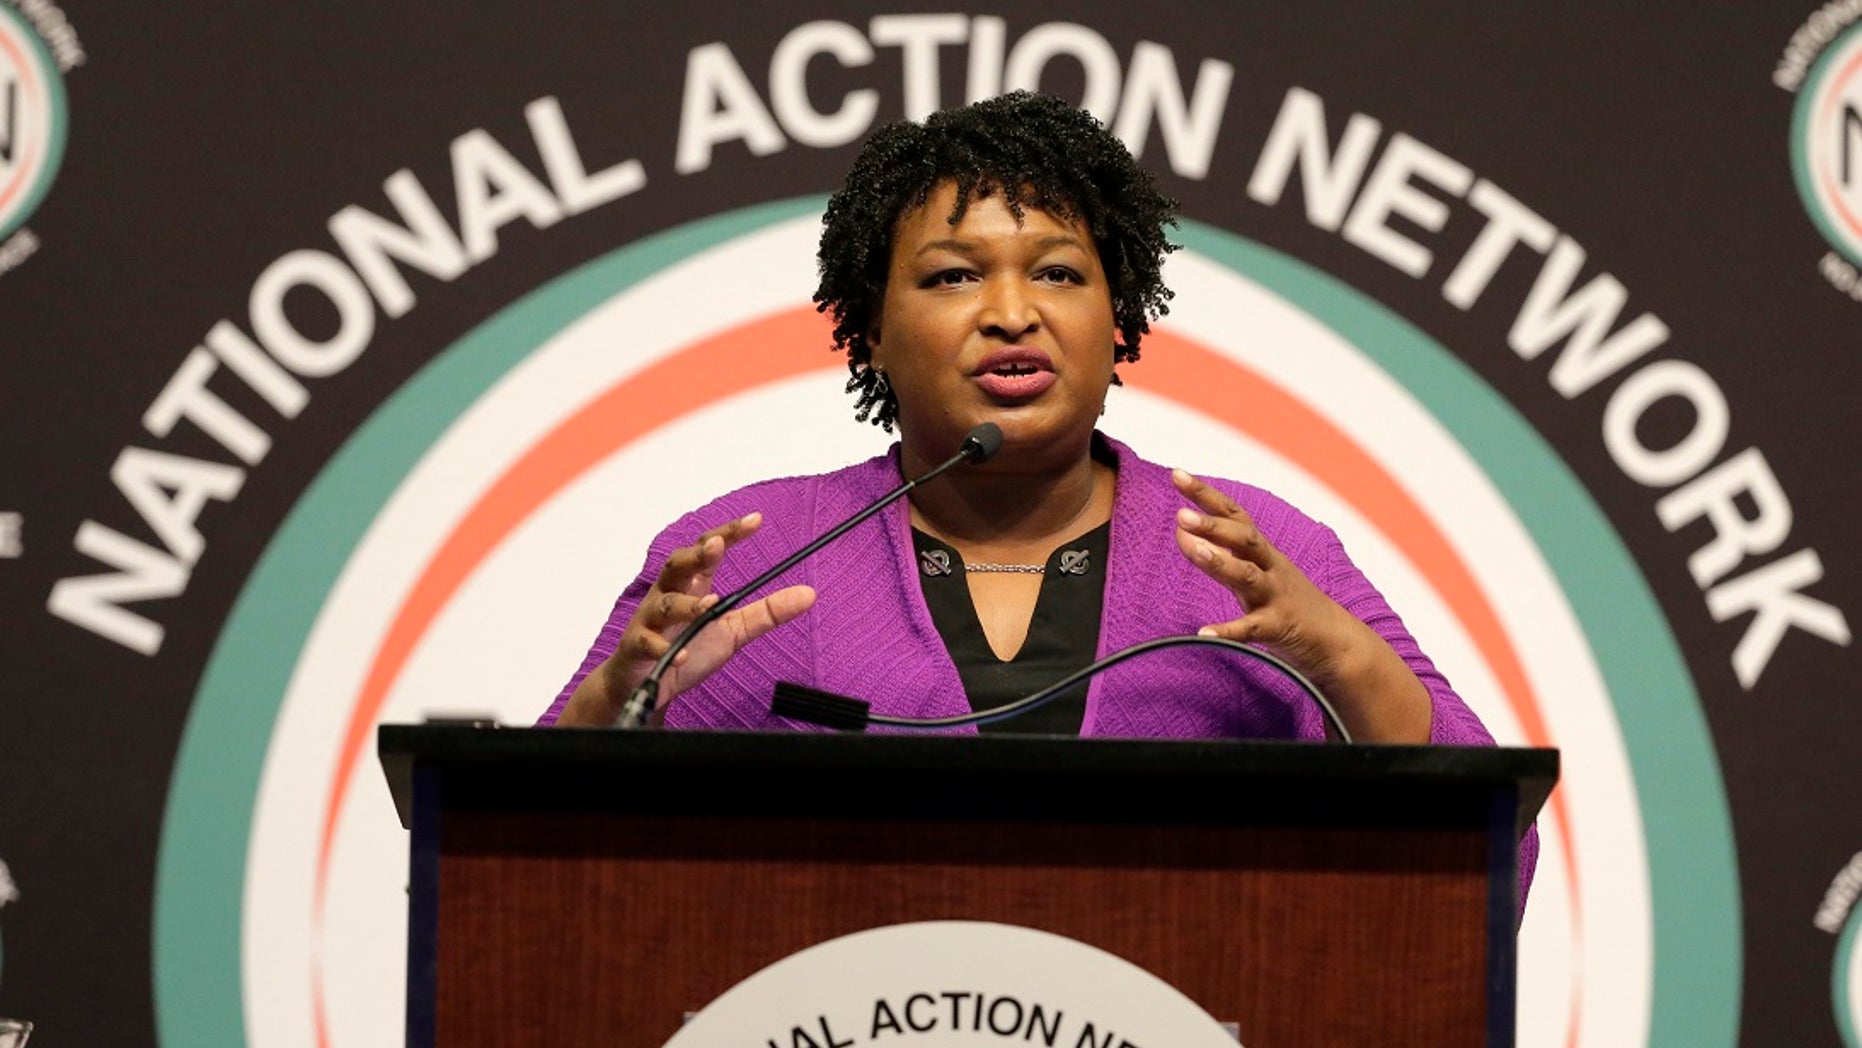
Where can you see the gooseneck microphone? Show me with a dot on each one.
(846, 714)
(979, 445)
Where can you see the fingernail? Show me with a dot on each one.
(1181, 476)
(1205, 551)
(750, 518)
(1189, 518)
(1206, 631)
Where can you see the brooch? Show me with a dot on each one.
(934, 562)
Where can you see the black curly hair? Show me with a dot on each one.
(1037, 151)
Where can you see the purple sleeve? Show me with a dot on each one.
(1451, 722)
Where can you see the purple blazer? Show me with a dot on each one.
(871, 637)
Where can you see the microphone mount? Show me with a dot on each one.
(979, 445)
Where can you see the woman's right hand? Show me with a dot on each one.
(680, 594)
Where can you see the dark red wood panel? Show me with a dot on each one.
(607, 929)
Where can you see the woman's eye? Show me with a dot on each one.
(1060, 275)
(948, 278)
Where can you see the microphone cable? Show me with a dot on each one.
(839, 711)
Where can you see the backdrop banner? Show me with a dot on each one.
(353, 353)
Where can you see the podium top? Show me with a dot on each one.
(937, 776)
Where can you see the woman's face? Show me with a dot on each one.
(994, 320)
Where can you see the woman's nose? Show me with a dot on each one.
(1007, 309)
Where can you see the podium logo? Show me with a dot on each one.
(1826, 144)
(32, 120)
(1020, 984)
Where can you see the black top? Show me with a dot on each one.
(1063, 635)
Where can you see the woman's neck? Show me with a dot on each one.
(1009, 512)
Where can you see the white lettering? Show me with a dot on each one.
(12, 534)
(788, 85)
(1153, 92)
(1841, 895)
(1715, 496)
(1551, 313)
(720, 105)
(1390, 191)
(146, 479)
(55, 29)
(1841, 275)
(1740, 499)
(94, 601)
(284, 393)
(16, 249)
(493, 190)
(918, 38)
(170, 491)
(1327, 181)
(186, 396)
(1771, 592)
(989, 37)
(1508, 223)
(575, 187)
(1689, 455)
(1049, 41)
(322, 272)
(424, 241)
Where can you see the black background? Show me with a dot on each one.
(208, 139)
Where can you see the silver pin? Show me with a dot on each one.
(934, 562)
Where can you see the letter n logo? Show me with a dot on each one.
(32, 120)
(1826, 144)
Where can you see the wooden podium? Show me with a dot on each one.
(574, 887)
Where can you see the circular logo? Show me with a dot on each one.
(1846, 981)
(1018, 984)
(32, 120)
(1826, 144)
(388, 594)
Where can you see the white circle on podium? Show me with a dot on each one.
(953, 983)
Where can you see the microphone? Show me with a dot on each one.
(847, 714)
(979, 445)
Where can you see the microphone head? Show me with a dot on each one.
(982, 442)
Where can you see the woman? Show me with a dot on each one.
(994, 264)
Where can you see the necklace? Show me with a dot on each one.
(935, 562)
(1008, 569)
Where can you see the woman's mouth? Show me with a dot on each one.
(1015, 374)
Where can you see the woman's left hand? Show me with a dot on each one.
(1376, 694)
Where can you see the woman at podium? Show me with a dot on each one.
(998, 263)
